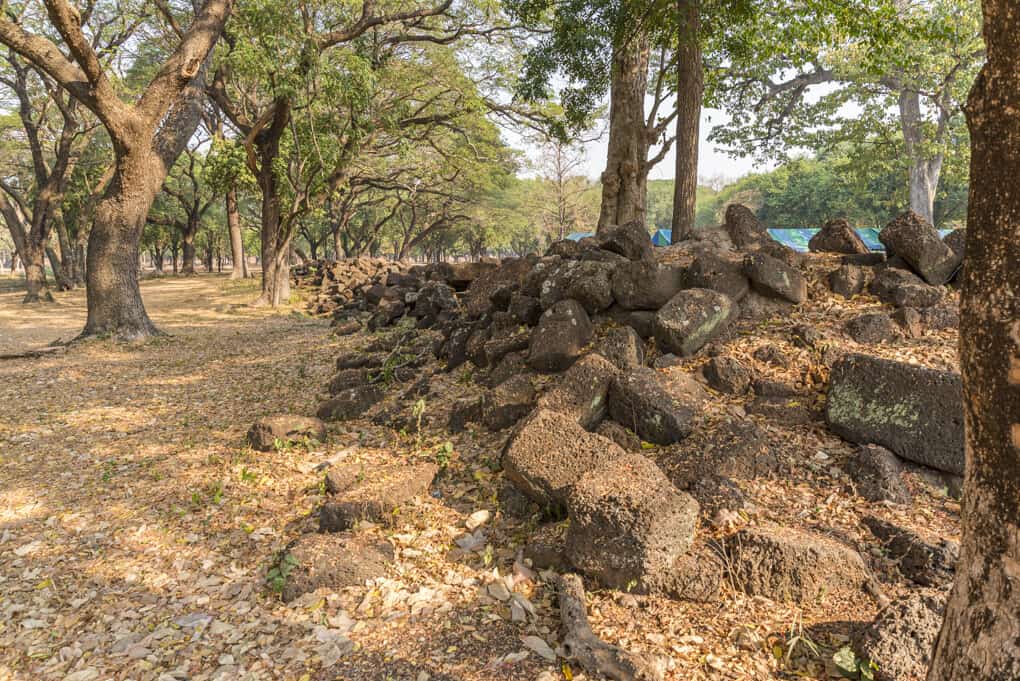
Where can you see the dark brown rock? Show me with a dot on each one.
(837, 236)
(773, 277)
(628, 523)
(379, 497)
(660, 409)
(848, 280)
(271, 432)
(560, 337)
(915, 240)
(642, 285)
(878, 475)
(508, 403)
(623, 347)
(727, 375)
(928, 564)
(871, 328)
(914, 411)
(897, 645)
(549, 452)
(691, 319)
(583, 392)
(785, 564)
(350, 403)
(630, 240)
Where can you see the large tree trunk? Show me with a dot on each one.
(34, 259)
(980, 638)
(114, 299)
(924, 171)
(240, 269)
(624, 182)
(275, 238)
(690, 91)
(188, 237)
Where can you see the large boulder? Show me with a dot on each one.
(914, 411)
(548, 453)
(630, 240)
(660, 409)
(773, 277)
(848, 280)
(691, 319)
(350, 403)
(872, 327)
(645, 285)
(378, 497)
(583, 393)
(623, 347)
(785, 564)
(271, 432)
(897, 645)
(727, 375)
(718, 272)
(743, 227)
(914, 239)
(628, 523)
(587, 282)
(508, 403)
(837, 236)
(903, 289)
(561, 335)
(524, 309)
(330, 561)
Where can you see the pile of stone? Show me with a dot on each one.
(562, 353)
(911, 276)
(337, 285)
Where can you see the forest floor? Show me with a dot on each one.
(136, 526)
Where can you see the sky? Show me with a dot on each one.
(713, 164)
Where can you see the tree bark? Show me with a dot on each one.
(624, 182)
(240, 268)
(980, 637)
(690, 91)
(188, 235)
(114, 299)
(34, 260)
(923, 171)
(275, 238)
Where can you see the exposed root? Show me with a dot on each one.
(582, 646)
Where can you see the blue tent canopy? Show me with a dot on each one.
(577, 236)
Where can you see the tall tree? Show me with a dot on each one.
(980, 638)
(888, 67)
(690, 91)
(147, 137)
(605, 47)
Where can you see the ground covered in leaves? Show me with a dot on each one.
(136, 526)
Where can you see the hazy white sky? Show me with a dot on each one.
(712, 163)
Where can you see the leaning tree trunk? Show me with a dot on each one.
(690, 91)
(240, 269)
(980, 638)
(114, 298)
(625, 180)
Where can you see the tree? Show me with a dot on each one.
(599, 47)
(147, 137)
(980, 637)
(31, 203)
(890, 68)
(192, 197)
(690, 91)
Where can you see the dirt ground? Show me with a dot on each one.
(136, 527)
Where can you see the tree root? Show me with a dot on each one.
(582, 646)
